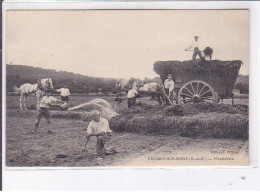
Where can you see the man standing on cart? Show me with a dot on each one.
(168, 89)
(195, 48)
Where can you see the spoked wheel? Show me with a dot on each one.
(196, 91)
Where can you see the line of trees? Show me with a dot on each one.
(18, 75)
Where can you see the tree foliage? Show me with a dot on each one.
(19, 74)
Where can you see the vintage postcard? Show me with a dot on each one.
(127, 88)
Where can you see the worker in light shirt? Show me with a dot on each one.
(168, 87)
(98, 127)
(64, 93)
(195, 47)
(43, 110)
(131, 97)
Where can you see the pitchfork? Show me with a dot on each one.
(167, 97)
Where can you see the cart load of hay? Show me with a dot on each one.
(221, 75)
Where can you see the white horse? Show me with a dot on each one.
(150, 87)
(38, 88)
(153, 87)
(126, 84)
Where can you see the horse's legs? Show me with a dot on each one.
(24, 97)
(21, 101)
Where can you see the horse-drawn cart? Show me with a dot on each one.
(197, 81)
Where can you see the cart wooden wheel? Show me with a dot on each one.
(196, 91)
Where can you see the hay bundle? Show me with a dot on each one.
(221, 75)
(208, 51)
(100, 104)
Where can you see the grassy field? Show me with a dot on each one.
(41, 149)
(12, 101)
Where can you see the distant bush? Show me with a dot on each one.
(243, 87)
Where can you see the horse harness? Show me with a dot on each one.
(28, 92)
(39, 86)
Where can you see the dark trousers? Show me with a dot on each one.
(195, 53)
(171, 96)
(101, 140)
(65, 98)
(131, 102)
(42, 112)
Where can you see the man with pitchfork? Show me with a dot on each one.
(195, 48)
(168, 90)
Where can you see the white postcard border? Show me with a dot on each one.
(13, 178)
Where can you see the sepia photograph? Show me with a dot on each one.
(127, 88)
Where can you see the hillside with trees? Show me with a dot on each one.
(80, 84)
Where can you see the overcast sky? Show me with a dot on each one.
(122, 44)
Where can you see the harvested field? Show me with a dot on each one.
(62, 147)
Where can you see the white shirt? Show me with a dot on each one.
(98, 127)
(132, 93)
(46, 100)
(64, 92)
(169, 84)
(195, 44)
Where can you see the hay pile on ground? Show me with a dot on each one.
(191, 120)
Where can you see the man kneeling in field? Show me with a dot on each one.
(98, 127)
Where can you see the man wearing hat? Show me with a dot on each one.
(98, 127)
(43, 110)
(64, 93)
(168, 88)
(131, 96)
(118, 101)
(195, 47)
